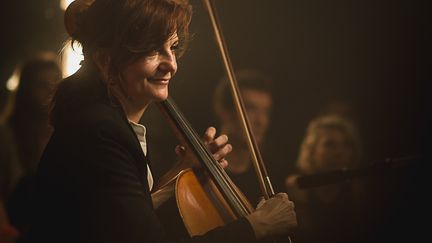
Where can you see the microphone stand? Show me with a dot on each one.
(341, 175)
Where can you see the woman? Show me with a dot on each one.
(94, 181)
(331, 211)
(30, 131)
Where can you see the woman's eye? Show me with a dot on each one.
(175, 47)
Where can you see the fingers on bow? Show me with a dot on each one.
(285, 198)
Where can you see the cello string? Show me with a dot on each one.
(213, 167)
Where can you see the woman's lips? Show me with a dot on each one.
(162, 81)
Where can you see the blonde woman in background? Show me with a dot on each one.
(327, 212)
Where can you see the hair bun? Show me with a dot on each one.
(74, 14)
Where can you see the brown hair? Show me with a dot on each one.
(128, 29)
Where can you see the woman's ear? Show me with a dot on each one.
(102, 61)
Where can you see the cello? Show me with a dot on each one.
(206, 198)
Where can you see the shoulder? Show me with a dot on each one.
(82, 103)
(85, 116)
(82, 95)
(95, 139)
(97, 122)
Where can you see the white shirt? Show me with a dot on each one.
(140, 132)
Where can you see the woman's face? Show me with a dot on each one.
(146, 79)
(333, 150)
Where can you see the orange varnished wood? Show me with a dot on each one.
(200, 211)
(197, 210)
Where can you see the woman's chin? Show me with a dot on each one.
(161, 96)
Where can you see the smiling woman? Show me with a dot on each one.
(94, 179)
(146, 79)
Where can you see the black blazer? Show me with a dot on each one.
(91, 184)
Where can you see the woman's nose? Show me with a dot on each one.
(168, 62)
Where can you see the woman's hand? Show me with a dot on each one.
(275, 216)
(218, 146)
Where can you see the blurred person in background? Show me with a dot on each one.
(9, 175)
(28, 131)
(29, 120)
(255, 88)
(328, 212)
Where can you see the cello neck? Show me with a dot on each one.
(188, 136)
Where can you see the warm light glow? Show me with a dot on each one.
(65, 3)
(71, 59)
(13, 81)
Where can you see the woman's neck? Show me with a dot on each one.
(133, 110)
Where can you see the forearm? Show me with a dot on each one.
(163, 194)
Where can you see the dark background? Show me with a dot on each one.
(366, 53)
(371, 54)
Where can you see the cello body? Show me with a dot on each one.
(200, 204)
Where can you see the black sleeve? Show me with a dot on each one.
(116, 205)
(235, 232)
